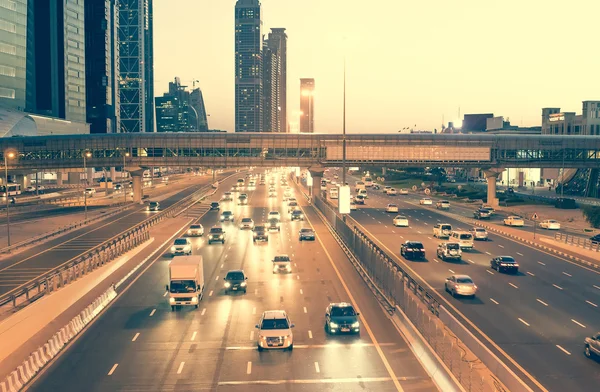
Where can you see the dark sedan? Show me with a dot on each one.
(412, 250)
(306, 234)
(505, 264)
(260, 234)
(235, 281)
(341, 318)
(482, 213)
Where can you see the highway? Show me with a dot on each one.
(139, 344)
(24, 266)
(540, 316)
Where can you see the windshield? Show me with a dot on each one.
(275, 324)
(446, 227)
(153, 203)
(452, 246)
(392, 205)
(235, 276)
(507, 259)
(182, 286)
(195, 226)
(464, 280)
(180, 242)
(214, 203)
(227, 213)
(445, 201)
(274, 213)
(306, 230)
(480, 230)
(216, 230)
(246, 220)
(416, 245)
(400, 217)
(281, 258)
(297, 212)
(466, 236)
(342, 311)
(259, 228)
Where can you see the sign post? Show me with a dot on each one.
(534, 217)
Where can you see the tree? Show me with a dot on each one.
(439, 173)
(592, 215)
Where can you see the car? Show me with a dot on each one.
(282, 263)
(363, 192)
(195, 230)
(286, 195)
(261, 182)
(227, 196)
(463, 238)
(482, 213)
(460, 285)
(247, 223)
(359, 200)
(591, 346)
(400, 221)
(216, 234)
(306, 234)
(181, 246)
(215, 205)
(412, 250)
(273, 224)
(273, 193)
(479, 233)
(442, 230)
(275, 331)
(514, 220)
(235, 280)
(118, 188)
(550, 224)
(505, 264)
(386, 189)
(442, 205)
(489, 208)
(595, 238)
(90, 192)
(153, 206)
(242, 200)
(297, 215)
(353, 206)
(227, 216)
(403, 191)
(341, 318)
(292, 206)
(274, 215)
(391, 208)
(425, 201)
(259, 233)
(292, 200)
(449, 251)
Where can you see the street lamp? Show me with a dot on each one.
(7, 155)
(86, 155)
(126, 155)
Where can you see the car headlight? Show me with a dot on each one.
(227, 284)
(147, 208)
(172, 300)
(243, 284)
(355, 325)
(172, 249)
(333, 325)
(189, 232)
(222, 216)
(288, 267)
(194, 299)
(221, 236)
(254, 235)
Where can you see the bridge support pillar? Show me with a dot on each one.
(22, 180)
(491, 176)
(59, 178)
(75, 178)
(138, 191)
(316, 175)
(383, 171)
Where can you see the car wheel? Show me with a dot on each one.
(453, 294)
(291, 347)
(172, 308)
(587, 351)
(260, 349)
(196, 306)
(245, 291)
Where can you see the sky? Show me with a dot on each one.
(408, 63)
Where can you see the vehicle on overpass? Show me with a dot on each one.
(482, 213)
(514, 221)
(412, 250)
(592, 346)
(442, 230)
(425, 201)
(297, 215)
(449, 251)
(283, 264)
(186, 281)
(391, 208)
(550, 224)
(505, 264)
(235, 280)
(153, 206)
(479, 233)
(442, 205)
(259, 233)
(333, 192)
(403, 191)
(341, 318)
(306, 233)
(392, 192)
(216, 234)
(275, 331)
(463, 238)
(400, 221)
(461, 285)
(181, 246)
(195, 230)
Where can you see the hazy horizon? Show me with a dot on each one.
(407, 63)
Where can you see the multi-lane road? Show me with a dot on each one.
(539, 317)
(139, 344)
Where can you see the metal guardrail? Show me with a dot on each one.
(578, 241)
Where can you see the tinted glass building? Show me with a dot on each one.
(13, 54)
(179, 110)
(307, 105)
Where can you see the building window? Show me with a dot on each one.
(7, 26)
(8, 4)
(8, 49)
(8, 71)
(7, 93)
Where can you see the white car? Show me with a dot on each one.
(392, 192)
(550, 224)
(247, 223)
(391, 208)
(275, 331)
(461, 285)
(514, 221)
(479, 233)
(30, 189)
(400, 221)
(425, 201)
(386, 188)
(353, 206)
(282, 263)
(363, 193)
(90, 191)
(196, 230)
(403, 191)
(274, 215)
(181, 246)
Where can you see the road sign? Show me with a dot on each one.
(534, 216)
(414, 188)
(427, 191)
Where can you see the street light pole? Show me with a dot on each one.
(11, 155)
(123, 186)
(344, 136)
(85, 155)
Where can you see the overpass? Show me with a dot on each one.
(137, 151)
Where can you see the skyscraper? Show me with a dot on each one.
(248, 66)
(307, 105)
(15, 71)
(197, 102)
(136, 67)
(178, 110)
(102, 65)
(278, 42)
(274, 81)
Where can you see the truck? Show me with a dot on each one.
(186, 281)
(333, 192)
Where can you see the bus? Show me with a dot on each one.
(333, 192)
(368, 181)
(13, 190)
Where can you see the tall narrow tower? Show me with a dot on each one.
(307, 105)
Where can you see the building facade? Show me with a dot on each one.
(102, 65)
(180, 110)
(271, 66)
(15, 72)
(278, 44)
(555, 122)
(136, 66)
(248, 66)
(197, 102)
(307, 106)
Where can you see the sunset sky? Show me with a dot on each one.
(408, 62)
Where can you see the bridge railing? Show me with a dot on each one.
(578, 241)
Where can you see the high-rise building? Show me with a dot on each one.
(15, 71)
(179, 110)
(555, 122)
(248, 66)
(278, 43)
(102, 65)
(307, 105)
(136, 66)
(274, 82)
(197, 102)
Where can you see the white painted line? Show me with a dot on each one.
(523, 321)
(471, 261)
(578, 323)
(305, 311)
(489, 272)
(251, 335)
(135, 337)
(436, 260)
(558, 287)
(301, 292)
(217, 278)
(112, 369)
(180, 368)
(426, 224)
(317, 369)
(501, 246)
(529, 273)
(253, 310)
(494, 301)
(596, 287)
(152, 313)
(401, 237)
(194, 335)
(539, 262)
(210, 294)
(419, 232)
(542, 302)
(255, 291)
(310, 334)
(563, 350)
(569, 275)
(203, 312)
(429, 238)
(249, 368)
(222, 265)
(513, 285)
(298, 277)
(165, 294)
(488, 253)
(451, 271)
(520, 254)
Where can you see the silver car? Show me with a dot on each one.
(479, 234)
(461, 285)
(275, 331)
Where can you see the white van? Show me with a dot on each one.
(359, 185)
(463, 238)
(333, 192)
(442, 230)
(363, 193)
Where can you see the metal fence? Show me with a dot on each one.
(578, 241)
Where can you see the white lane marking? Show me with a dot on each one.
(222, 265)
(310, 334)
(253, 310)
(210, 294)
(542, 302)
(539, 262)
(419, 232)
(488, 253)
(255, 291)
(112, 369)
(523, 321)
(471, 261)
(494, 301)
(596, 287)
(529, 273)
(301, 292)
(591, 303)
(317, 369)
(217, 278)
(513, 285)
(393, 232)
(426, 224)
(436, 260)
(418, 220)
(558, 287)
(520, 254)
(563, 350)
(249, 368)
(569, 275)
(180, 368)
(429, 238)
(165, 294)
(203, 312)
(401, 237)
(430, 217)
(305, 311)
(251, 335)
(194, 336)
(152, 313)
(501, 246)
(298, 277)
(135, 337)
(578, 323)
(489, 272)
(451, 271)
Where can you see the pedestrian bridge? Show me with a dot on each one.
(304, 150)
